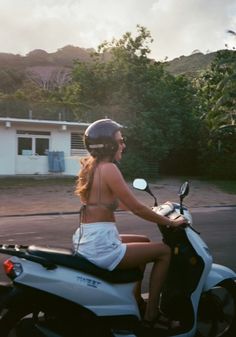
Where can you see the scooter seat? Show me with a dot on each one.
(66, 258)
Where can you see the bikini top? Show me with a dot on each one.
(111, 207)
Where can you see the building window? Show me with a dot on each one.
(33, 143)
(77, 145)
(42, 146)
(24, 146)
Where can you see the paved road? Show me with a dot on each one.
(217, 227)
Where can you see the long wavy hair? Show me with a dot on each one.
(85, 176)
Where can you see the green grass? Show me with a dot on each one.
(19, 182)
(228, 186)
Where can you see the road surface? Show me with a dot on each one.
(217, 227)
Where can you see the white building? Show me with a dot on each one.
(29, 146)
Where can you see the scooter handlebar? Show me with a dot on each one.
(172, 211)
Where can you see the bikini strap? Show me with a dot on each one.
(82, 214)
(99, 186)
(82, 211)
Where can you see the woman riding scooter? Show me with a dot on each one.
(102, 190)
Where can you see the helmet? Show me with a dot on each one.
(99, 138)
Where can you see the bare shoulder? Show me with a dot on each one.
(116, 183)
(110, 167)
(111, 171)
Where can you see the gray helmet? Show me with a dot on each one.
(99, 138)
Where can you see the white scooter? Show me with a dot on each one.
(54, 293)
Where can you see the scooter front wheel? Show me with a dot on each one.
(217, 311)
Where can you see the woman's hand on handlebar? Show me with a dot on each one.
(179, 222)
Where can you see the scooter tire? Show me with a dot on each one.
(217, 311)
(11, 320)
(25, 322)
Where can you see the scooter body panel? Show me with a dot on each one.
(194, 250)
(101, 297)
(202, 250)
(217, 274)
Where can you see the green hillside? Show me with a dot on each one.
(190, 65)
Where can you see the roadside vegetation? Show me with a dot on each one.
(227, 186)
(176, 125)
(15, 182)
(38, 181)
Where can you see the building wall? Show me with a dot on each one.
(7, 150)
(11, 163)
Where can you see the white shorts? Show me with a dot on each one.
(100, 243)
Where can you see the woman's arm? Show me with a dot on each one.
(118, 186)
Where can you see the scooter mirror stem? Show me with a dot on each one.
(147, 189)
(181, 205)
(142, 185)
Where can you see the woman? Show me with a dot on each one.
(102, 189)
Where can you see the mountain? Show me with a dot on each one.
(50, 70)
(65, 57)
(190, 65)
(62, 57)
(45, 69)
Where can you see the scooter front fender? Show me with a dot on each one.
(217, 274)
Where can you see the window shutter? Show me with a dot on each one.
(77, 145)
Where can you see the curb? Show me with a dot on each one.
(78, 212)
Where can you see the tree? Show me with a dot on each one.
(165, 134)
(121, 82)
(216, 92)
(11, 80)
(136, 91)
(111, 84)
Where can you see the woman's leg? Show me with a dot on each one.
(127, 238)
(141, 253)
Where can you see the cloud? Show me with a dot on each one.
(186, 25)
(177, 26)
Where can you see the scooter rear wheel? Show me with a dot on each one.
(217, 311)
(17, 322)
(26, 322)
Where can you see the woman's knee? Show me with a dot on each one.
(145, 238)
(127, 238)
(163, 251)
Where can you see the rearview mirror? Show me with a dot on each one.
(140, 184)
(184, 189)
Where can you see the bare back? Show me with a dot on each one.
(102, 202)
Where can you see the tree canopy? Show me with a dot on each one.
(174, 124)
(216, 90)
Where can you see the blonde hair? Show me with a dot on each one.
(85, 177)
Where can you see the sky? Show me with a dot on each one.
(178, 27)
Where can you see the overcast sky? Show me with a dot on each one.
(178, 26)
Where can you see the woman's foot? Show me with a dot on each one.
(142, 305)
(161, 322)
